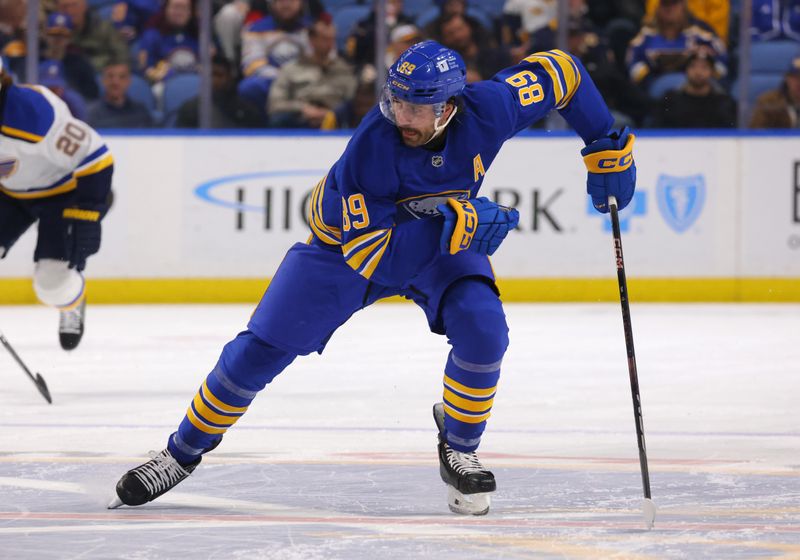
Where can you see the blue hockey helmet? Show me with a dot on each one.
(426, 74)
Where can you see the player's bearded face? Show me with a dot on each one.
(415, 122)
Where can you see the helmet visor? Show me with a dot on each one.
(396, 109)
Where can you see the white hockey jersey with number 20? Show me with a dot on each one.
(44, 150)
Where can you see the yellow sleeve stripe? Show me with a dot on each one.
(360, 240)
(202, 426)
(21, 134)
(323, 236)
(469, 391)
(465, 404)
(468, 418)
(106, 161)
(359, 257)
(571, 74)
(62, 188)
(322, 231)
(328, 234)
(221, 406)
(376, 258)
(210, 415)
(550, 68)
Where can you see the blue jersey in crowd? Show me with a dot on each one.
(179, 50)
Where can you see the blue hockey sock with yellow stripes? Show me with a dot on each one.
(469, 390)
(476, 328)
(246, 365)
(214, 409)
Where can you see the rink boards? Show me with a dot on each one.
(208, 218)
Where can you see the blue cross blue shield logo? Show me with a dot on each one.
(680, 199)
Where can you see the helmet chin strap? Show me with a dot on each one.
(439, 128)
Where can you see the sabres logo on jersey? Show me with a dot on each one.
(420, 207)
(8, 166)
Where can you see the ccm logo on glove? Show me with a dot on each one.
(465, 226)
(477, 224)
(610, 161)
(612, 170)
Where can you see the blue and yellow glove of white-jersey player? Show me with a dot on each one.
(477, 224)
(612, 171)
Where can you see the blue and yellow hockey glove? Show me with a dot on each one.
(612, 171)
(477, 224)
(83, 234)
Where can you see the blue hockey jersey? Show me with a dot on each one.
(375, 202)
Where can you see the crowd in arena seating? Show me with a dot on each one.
(310, 63)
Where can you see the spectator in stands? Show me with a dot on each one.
(629, 105)
(360, 46)
(603, 12)
(775, 19)
(130, 17)
(714, 13)
(78, 71)
(529, 26)
(618, 21)
(665, 45)
(349, 114)
(169, 45)
(699, 103)
(780, 108)
(51, 76)
(115, 109)
(228, 110)
(447, 8)
(482, 62)
(400, 39)
(268, 44)
(12, 36)
(96, 38)
(308, 90)
(232, 16)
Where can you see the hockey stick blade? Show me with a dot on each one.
(38, 380)
(649, 512)
(42, 386)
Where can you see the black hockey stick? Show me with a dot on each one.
(38, 380)
(649, 508)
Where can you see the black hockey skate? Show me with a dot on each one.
(149, 480)
(70, 326)
(469, 484)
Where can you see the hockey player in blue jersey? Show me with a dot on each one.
(399, 214)
(56, 170)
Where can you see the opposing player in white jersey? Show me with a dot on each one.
(56, 170)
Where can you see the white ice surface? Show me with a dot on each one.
(336, 459)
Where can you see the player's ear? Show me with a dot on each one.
(449, 107)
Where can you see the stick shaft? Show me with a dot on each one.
(628, 328)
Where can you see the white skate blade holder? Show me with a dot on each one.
(115, 503)
(468, 504)
(649, 512)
